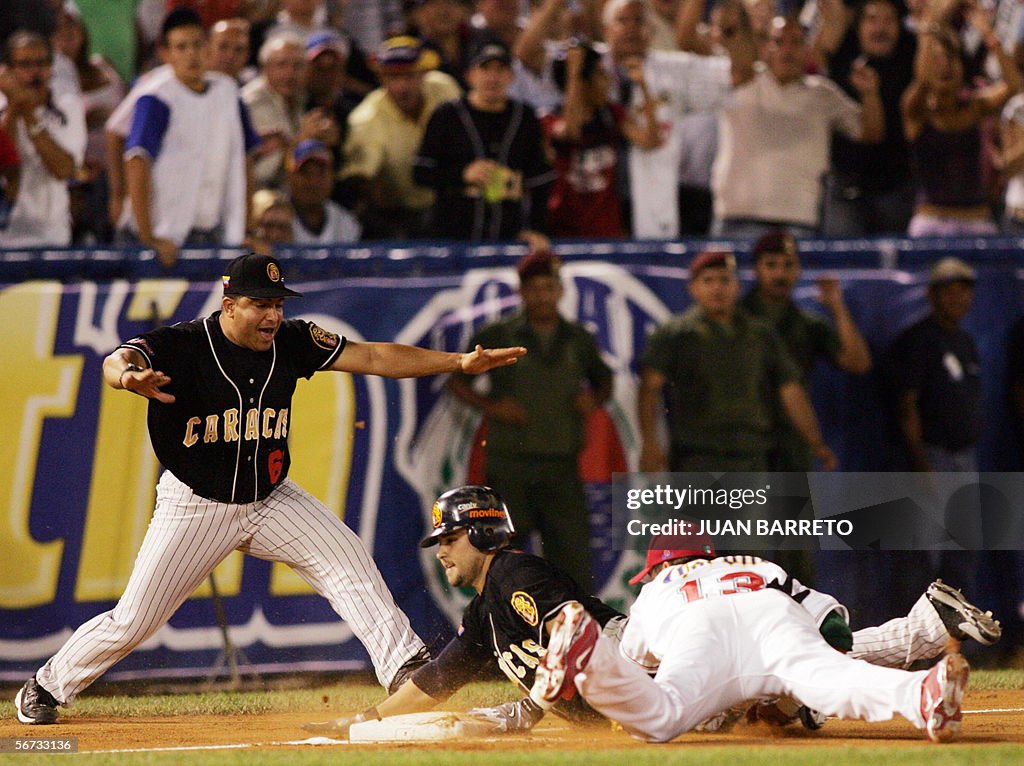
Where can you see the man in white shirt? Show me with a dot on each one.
(187, 153)
(48, 127)
(775, 136)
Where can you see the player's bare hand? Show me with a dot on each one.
(825, 456)
(507, 410)
(483, 359)
(148, 383)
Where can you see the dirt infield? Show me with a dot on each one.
(999, 719)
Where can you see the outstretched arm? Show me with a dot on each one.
(395, 360)
(127, 369)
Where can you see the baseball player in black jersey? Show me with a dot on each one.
(220, 392)
(507, 622)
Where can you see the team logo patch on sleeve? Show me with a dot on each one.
(525, 607)
(322, 338)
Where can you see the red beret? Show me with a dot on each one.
(775, 241)
(711, 259)
(539, 263)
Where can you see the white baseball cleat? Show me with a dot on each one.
(570, 647)
(942, 691)
(962, 618)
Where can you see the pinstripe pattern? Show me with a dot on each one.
(189, 535)
(899, 642)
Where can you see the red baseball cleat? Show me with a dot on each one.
(942, 691)
(572, 642)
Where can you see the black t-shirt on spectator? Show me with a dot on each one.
(882, 166)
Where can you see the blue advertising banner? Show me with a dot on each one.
(77, 473)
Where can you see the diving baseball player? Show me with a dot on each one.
(510, 619)
(718, 631)
(517, 596)
(220, 392)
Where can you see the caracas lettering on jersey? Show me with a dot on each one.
(270, 424)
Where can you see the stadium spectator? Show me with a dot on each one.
(662, 17)
(275, 101)
(722, 370)
(443, 26)
(385, 132)
(273, 220)
(318, 219)
(934, 371)
(102, 90)
(326, 54)
(229, 49)
(1010, 161)
(48, 128)
(586, 136)
(944, 130)
(187, 154)
(774, 138)
(483, 157)
(371, 22)
(869, 189)
(10, 175)
(688, 89)
(536, 411)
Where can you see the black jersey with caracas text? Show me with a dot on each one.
(523, 592)
(226, 434)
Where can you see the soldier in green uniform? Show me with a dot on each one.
(536, 416)
(723, 369)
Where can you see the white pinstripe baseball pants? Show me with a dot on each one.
(190, 535)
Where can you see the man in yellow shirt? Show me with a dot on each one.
(384, 133)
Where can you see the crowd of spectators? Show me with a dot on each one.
(659, 118)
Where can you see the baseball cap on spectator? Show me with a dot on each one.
(405, 54)
(256, 276)
(776, 241)
(308, 150)
(711, 259)
(491, 51)
(322, 42)
(539, 263)
(950, 270)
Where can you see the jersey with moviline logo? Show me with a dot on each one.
(521, 594)
(226, 434)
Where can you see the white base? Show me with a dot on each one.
(420, 727)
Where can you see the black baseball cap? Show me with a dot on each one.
(256, 276)
(491, 51)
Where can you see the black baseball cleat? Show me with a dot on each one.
(410, 666)
(963, 619)
(35, 705)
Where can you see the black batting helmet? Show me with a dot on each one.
(478, 509)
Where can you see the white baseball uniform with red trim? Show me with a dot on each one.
(718, 634)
